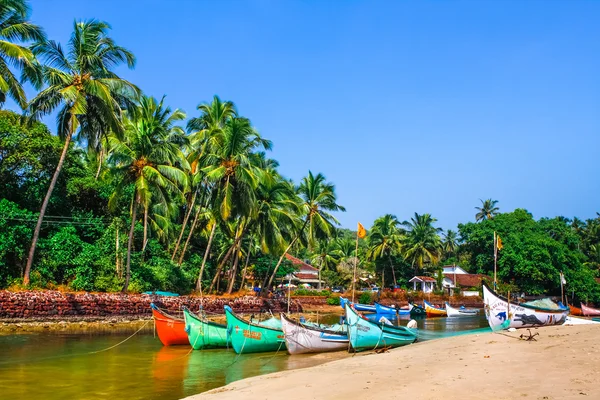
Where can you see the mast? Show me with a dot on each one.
(495, 260)
(355, 264)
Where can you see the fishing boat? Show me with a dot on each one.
(570, 320)
(252, 337)
(358, 306)
(575, 310)
(366, 335)
(303, 338)
(589, 311)
(386, 310)
(460, 312)
(433, 311)
(204, 334)
(416, 310)
(170, 329)
(501, 314)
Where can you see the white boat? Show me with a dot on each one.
(303, 338)
(579, 321)
(460, 312)
(503, 315)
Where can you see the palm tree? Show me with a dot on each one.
(88, 93)
(385, 239)
(318, 198)
(487, 210)
(148, 157)
(15, 29)
(422, 244)
(324, 257)
(204, 132)
(450, 242)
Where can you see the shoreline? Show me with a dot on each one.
(561, 364)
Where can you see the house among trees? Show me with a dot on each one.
(426, 283)
(305, 274)
(454, 277)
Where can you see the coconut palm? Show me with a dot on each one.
(487, 210)
(422, 244)
(318, 199)
(81, 83)
(15, 29)
(385, 240)
(324, 257)
(147, 156)
(450, 242)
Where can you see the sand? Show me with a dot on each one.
(564, 363)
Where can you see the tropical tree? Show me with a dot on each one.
(385, 240)
(15, 29)
(450, 242)
(487, 210)
(422, 244)
(89, 94)
(324, 257)
(147, 156)
(318, 200)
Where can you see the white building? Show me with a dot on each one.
(426, 283)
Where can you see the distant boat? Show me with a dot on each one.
(580, 321)
(460, 312)
(303, 338)
(589, 311)
(502, 315)
(204, 334)
(366, 335)
(383, 310)
(433, 311)
(252, 337)
(575, 310)
(358, 306)
(170, 329)
(160, 293)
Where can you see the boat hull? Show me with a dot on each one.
(589, 311)
(580, 321)
(302, 339)
(170, 330)
(247, 337)
(367, 335)
(575, 311)
(380, 309)
(433, 311)
(204, 334)
(460, 312)
(358, 306)
(502, 315)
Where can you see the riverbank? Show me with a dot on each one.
(561, 364)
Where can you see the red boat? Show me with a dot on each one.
(589, 311)
(575, 310)
(171, 330)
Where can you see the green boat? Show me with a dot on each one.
(204, 334)
(250, 337)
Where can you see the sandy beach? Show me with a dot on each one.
(563, 363)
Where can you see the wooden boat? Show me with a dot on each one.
(589, 311)
(386, 310)
(570, 320)
(433, 311)
(358, 306)
(417, 311)
(251, 337)
(170, 329)
(366, 335)
(502, 315)
(303, 338)
(460, 312)
(205, 334)
(575, 310)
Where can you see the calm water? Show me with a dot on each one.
(60, 366)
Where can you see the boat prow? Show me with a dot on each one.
(303, 338)
(460, 312)
(433, 311)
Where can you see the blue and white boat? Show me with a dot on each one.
(358, 306)
(301, 338)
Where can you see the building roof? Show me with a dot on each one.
(451, 269)
(422, 279)
(466, 280)
(301, 276)
(301, 265)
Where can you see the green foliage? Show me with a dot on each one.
(365, 298)
(311, 292)
(333, 300)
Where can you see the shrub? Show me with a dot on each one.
(365, 298)
(311, 292)
(333, 301)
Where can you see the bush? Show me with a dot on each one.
(311, 292)
(333, 301)
(365, 298)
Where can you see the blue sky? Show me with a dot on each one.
(406, 106)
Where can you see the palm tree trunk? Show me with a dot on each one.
(129, 245)
(210, 239)
(393, 273)
(219, 268)
(185, 221)
(234, 270)
(145, 229)
(320, 269)
(246, 264)
(38, 226)
(117, 250)
(187, 241)
(100, 157)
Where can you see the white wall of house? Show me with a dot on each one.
(454, 270)
(425, 287)
(470, 293)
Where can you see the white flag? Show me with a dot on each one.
(562, 279)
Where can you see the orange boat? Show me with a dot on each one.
(171, 330)
(433, 311)
(575, 310)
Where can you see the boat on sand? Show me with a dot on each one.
(589, 311)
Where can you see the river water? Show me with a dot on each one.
(53, 365)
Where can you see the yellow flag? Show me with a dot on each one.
(362, 232)
(499, 243)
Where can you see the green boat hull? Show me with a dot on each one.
(367, 335)
(249, 337)
(205, 334)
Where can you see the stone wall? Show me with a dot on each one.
(47, 304)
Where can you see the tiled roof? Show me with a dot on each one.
(423, 279)
(301, 276)
(466, 280)
(302, 266)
